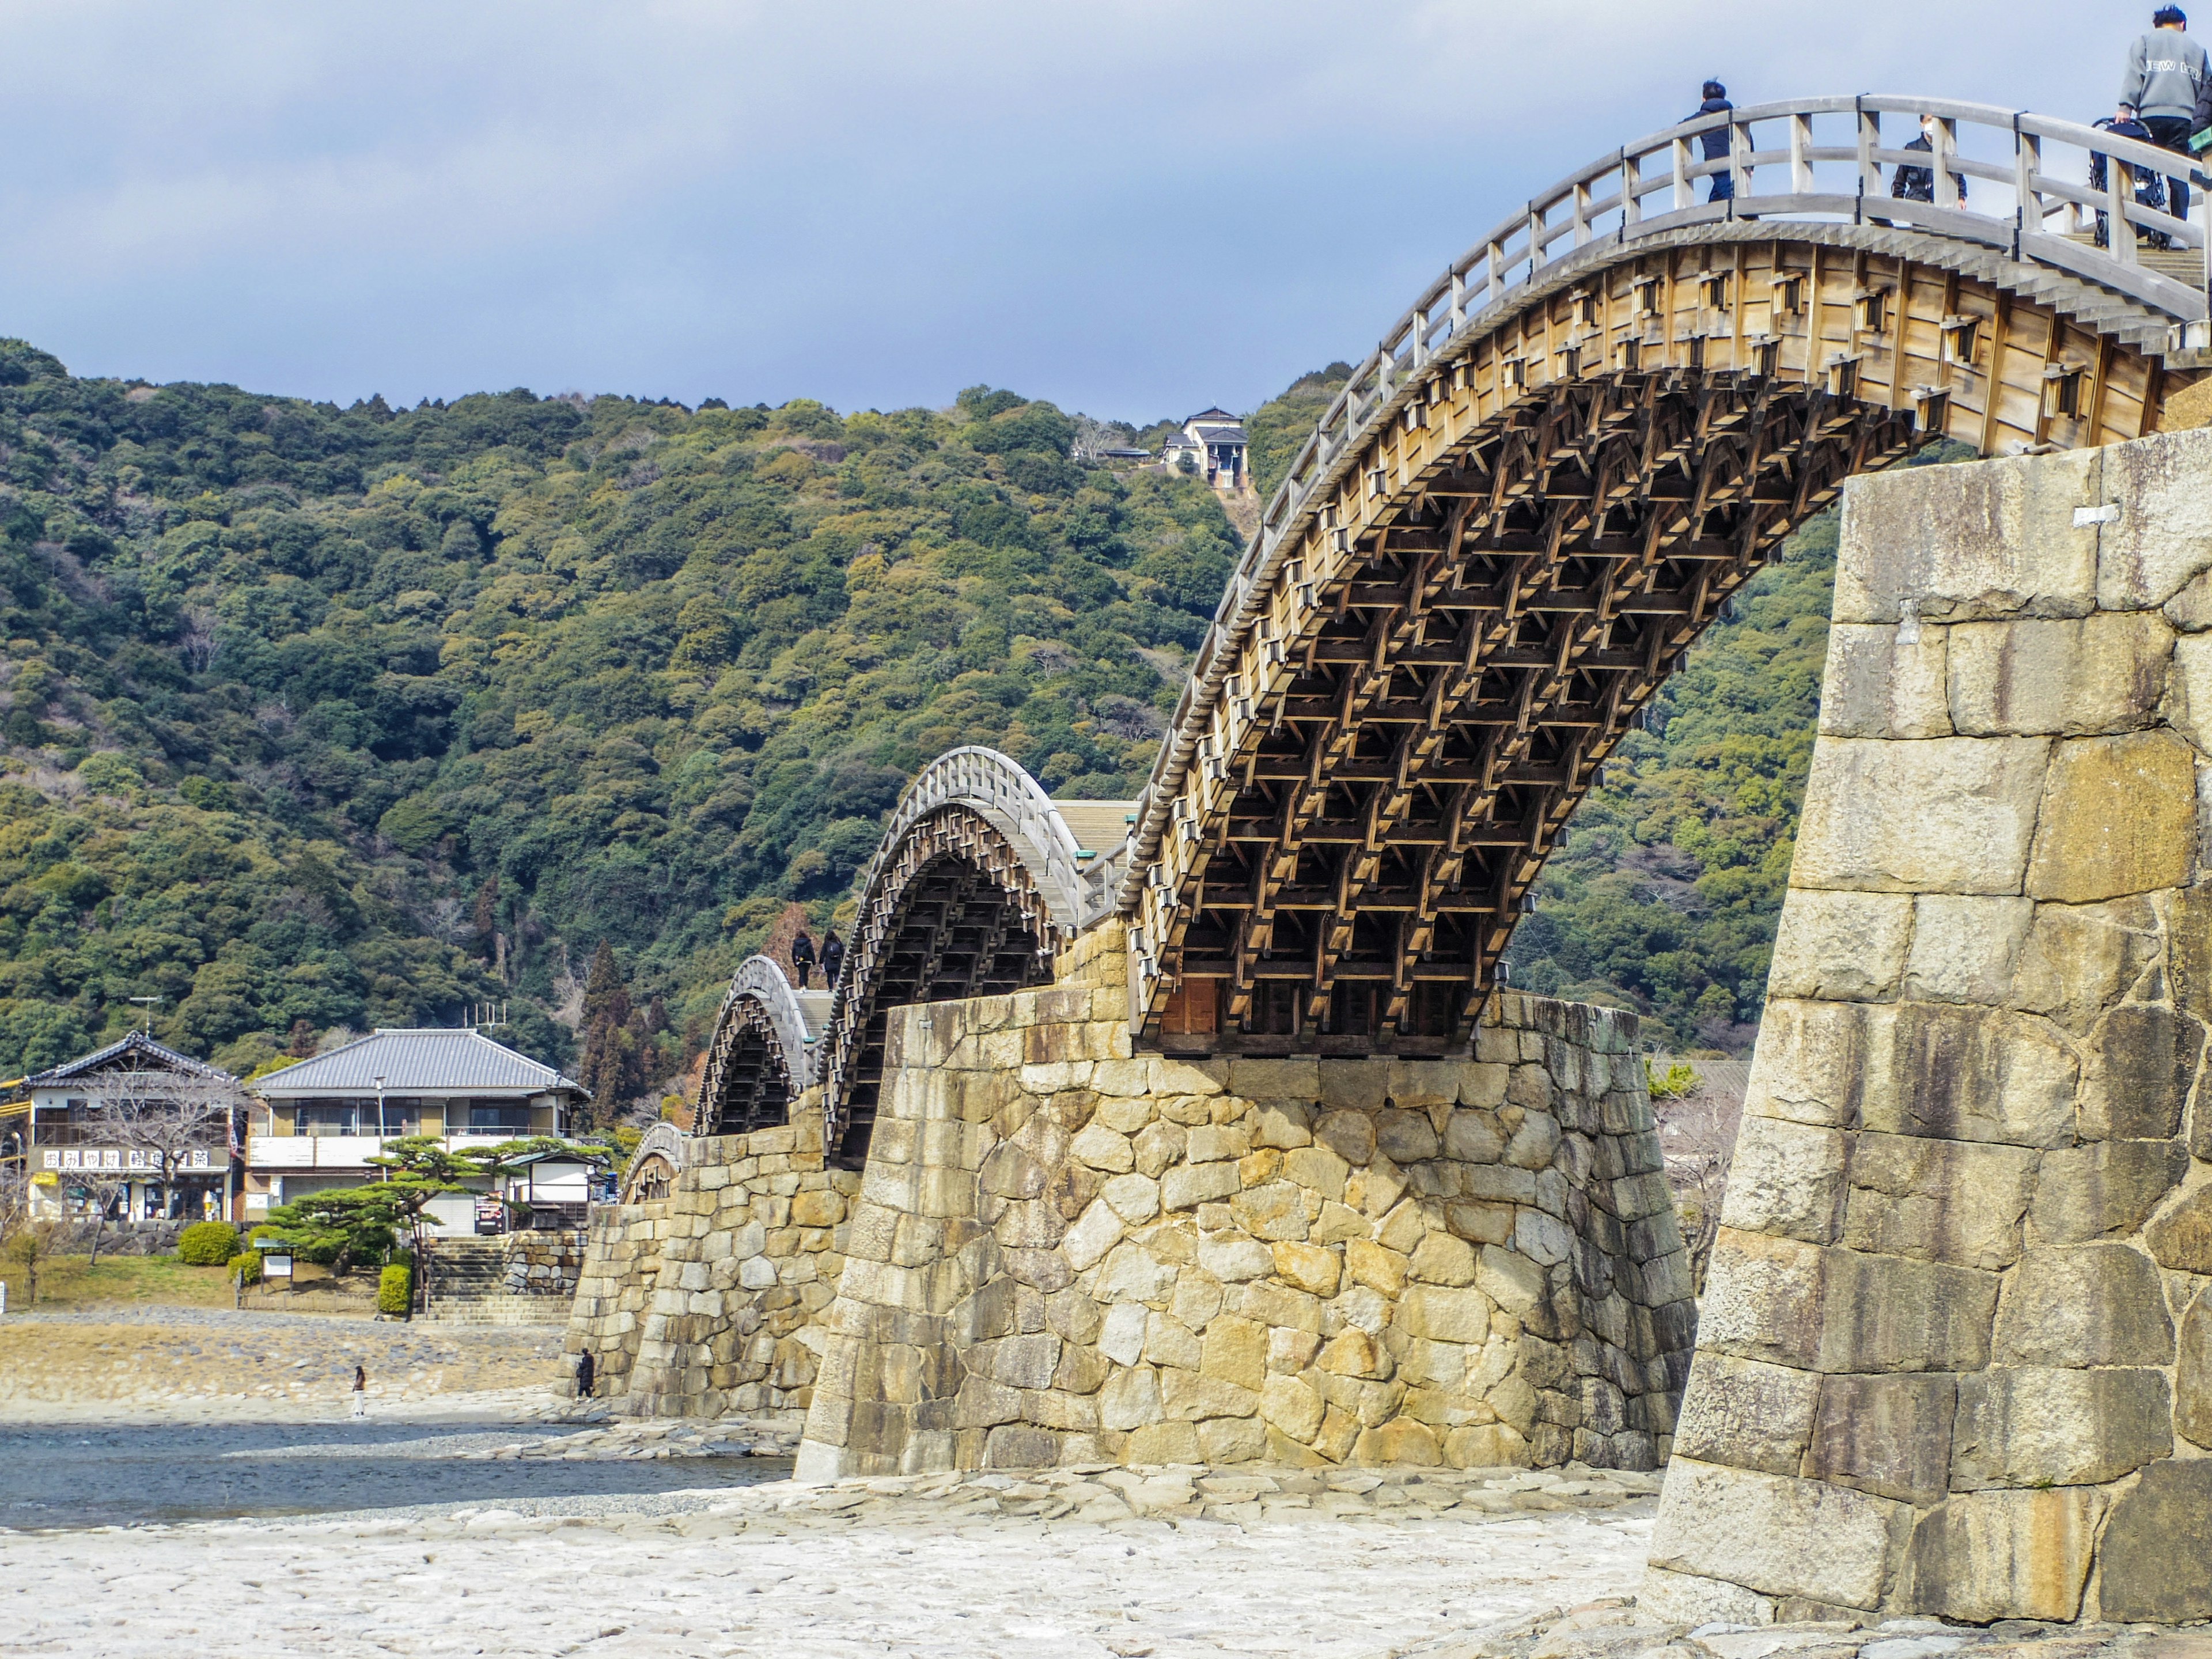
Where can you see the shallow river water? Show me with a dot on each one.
(74, 1475)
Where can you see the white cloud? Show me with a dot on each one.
(1130, 207)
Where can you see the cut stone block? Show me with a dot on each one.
(2103, 1189)
(1985, 1556)
(2046, 1426)
(1964, 949)
(1890, 1436)
(2094, 675)
(1876, 685)
(1776, 1535)
(1944, 1200)
(1840, 944)
(2119, 816)
(1993, 538)
(1888, 1313)
(2156, 1565)
(1745, 1414)
(1953, 815)
(1964, 1073)
(2164, 535)
(2087, 1304)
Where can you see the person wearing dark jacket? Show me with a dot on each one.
(2150, 189)
(2164, 87)
(1912, 184)
(1716, 140)
(802, 958)
(586, 1373)
(833, 960)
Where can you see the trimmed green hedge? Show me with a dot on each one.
(249, 1264)
(207, 1244)
(395, 1288)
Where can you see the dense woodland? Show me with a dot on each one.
(317, 719)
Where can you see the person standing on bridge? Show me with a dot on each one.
(1716, 141)
(2167, 72)
(833, 960)
(802, 958)
(1912, 183)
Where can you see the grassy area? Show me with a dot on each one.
(68, 1281)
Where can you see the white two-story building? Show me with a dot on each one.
(316, 1124)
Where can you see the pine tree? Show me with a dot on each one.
(610, 1066)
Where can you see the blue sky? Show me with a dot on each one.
(1133, 209)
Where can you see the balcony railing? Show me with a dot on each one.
(266, 1152)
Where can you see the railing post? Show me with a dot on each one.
(1581, 197)
(2026, 173)
(1631, 180)
(1495, 256)
(1946, 182)
(1739, 149)
(1536, 238)
(1869, 142)
(1801, 163)
(1684, 195)
(2119, 192)
(1458, 302)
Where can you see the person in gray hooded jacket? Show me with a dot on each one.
(2166, 71)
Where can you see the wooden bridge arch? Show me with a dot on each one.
(654, 1165)
(762, 1052)
(1543, 487)
(981, 878)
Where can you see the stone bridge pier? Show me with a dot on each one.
(1955, 1358)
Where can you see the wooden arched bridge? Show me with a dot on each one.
(1528, 501)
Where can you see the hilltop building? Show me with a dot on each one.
(51, 1128)
(316, 1124)
(1216, 442)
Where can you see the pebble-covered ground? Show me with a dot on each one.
(1072, 1564)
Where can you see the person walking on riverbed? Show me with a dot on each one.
(360, 1391)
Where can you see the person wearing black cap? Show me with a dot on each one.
(1715, 141)
(2166, 71)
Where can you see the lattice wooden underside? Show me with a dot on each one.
(1472, 621)
(752, 1071)
(956, 913)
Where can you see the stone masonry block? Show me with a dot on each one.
(2164, 536)
(1988, 539)
(1965, 949)
(1812, 1061)
(2070, 678)
(2181, 1238)
(1748, 1414)
(1777, 1535)
(1953, 815)
(2103, 1189)
(2088, 1304)
(1985, 1556)
(2143, 1060)
(1786, 1179)
(1888, 1313)
(2192, 1374)
(2045, 1426)
(1763, 1300)
(1886, 1435)
(1964, 1074)
(1944, 1200)
(2156, 1564)
(2119, 817)
(1846, 946)
(1876, 686)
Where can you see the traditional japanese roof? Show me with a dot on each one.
(1227, 434)
(1179, 440)
(417, 1062)
(135, 1051)
(1212, 415)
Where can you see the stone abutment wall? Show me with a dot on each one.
(705, 1302)
(1956, 1353)
(1064, 1252)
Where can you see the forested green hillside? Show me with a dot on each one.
(320, 718)
(324, 717)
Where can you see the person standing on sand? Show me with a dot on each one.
(360, 1391)
(586, 1370)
